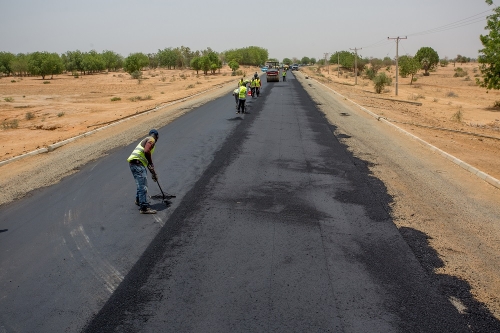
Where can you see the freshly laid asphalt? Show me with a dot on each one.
(276, 228)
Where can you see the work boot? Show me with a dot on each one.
(148, 211)
(137, 202)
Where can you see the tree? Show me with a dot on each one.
(305, 60)
(6, 59)
(387, 61)
(45, 63)
(287, 61)
(380, 81)
(92, 62)
(408, 66)
(167, 58)
(376, 64)
(135, 62)
(234, 66)
(313, 61)
(205, 64)
(428, 58)
(196, 64)
(73, 61)
(488, 56)
(19, 65)
(344, 58)
(112, 61)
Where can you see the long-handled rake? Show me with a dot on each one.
(164, 197)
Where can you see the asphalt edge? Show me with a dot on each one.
(482, 175)
(59, 144)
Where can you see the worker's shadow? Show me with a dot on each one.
(458, 291)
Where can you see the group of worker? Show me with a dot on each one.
(140, 161)
(240, 93)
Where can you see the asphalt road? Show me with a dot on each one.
(276, 227)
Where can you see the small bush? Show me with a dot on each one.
(139, 98)
(467, 78)
(60, 114)
(10, 124)
(460, 72)
(458, 116)
(29, 115)
(162, 92)
(190, 86)
(414, 79)
(13, 81)
(370, 73)
(114, 99)
(451, 94)
(9, 99)
(163, 78)
(435, 100)
(380, 81)
(182, 76)
(496, 104)
(198, 82)
(46, 82)
(136, 75)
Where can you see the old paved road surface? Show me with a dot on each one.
(276, 228)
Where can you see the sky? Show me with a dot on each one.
(286, 29)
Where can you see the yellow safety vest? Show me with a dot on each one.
(138, 153)
(241, 83)
(243, 92)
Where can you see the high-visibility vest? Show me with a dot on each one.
(284, 73)
(138, 153)
(254, 83)
(243, 92)
(241, 83)
(258, 82)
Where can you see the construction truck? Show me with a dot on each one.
(273, 71)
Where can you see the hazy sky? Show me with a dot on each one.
(288, 28)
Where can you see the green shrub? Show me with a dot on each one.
(13, 81)
(60, 114)
(9, 99)
(458, 116)
(496, 104)
(381, 80)
(370, 73)
(46, 82)
(29, 115)
(460, 72)
(114, 99)
(136, 75)
(10, 124)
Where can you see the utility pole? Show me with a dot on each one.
(356, 65)
(397, 57)
(326, 55)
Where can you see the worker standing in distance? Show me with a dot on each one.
(253, 86)
(236, 94)
(139, 160)
(258, 85)
(242, 98)
(284, 75)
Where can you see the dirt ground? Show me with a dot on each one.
(446, 103)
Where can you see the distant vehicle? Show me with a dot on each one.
(264, 69)
(273, 71)
(295, 67)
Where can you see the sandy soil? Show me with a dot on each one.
(441, 96)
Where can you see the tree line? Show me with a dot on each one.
(76, 62)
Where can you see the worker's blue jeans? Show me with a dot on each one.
(141, 180)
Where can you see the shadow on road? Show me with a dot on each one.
(458, 291)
